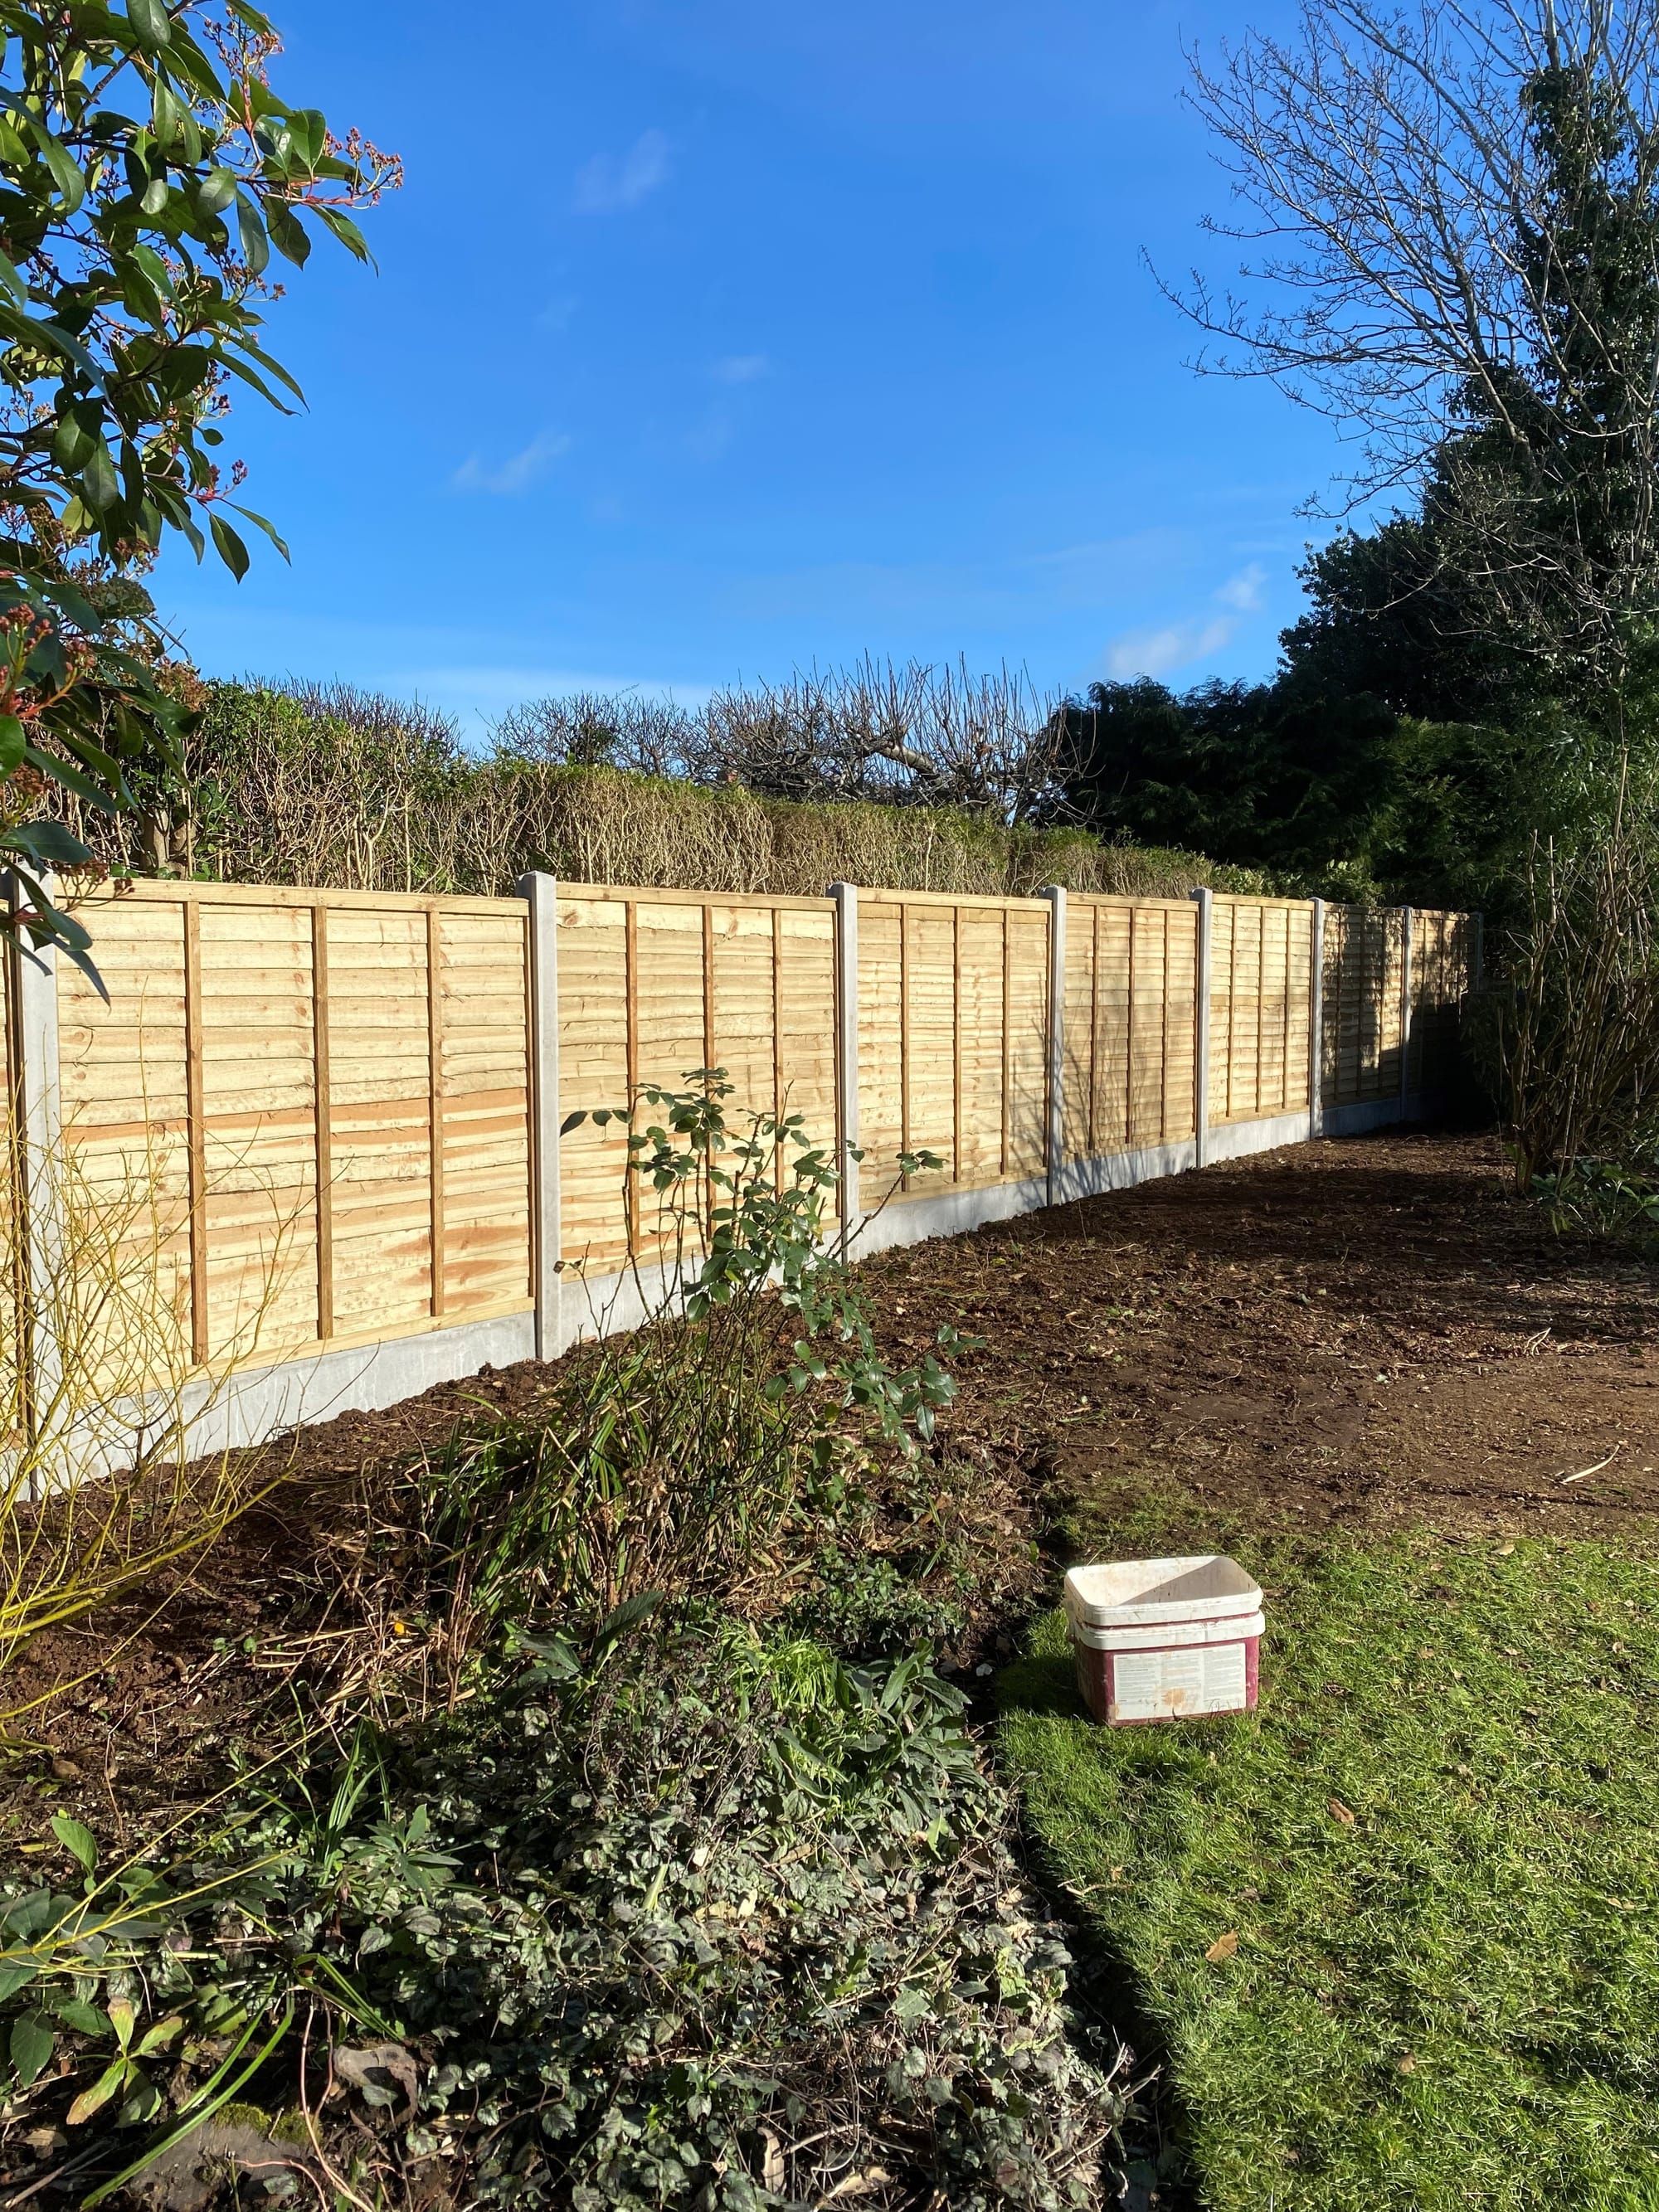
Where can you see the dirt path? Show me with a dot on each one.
(1372, 1329)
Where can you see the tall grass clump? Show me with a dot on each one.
(330, 786)
(100, 1485)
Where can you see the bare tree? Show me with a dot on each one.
(912, 734)
(1450, 215)
(593, 730)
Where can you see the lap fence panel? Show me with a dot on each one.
(653, 986)
(1364, 975)
(1442, 949)
(308, 1110)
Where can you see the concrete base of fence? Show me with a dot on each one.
(947, 1213)
(236, 1410)
(1092, 1178)
(1383, 1113)
(1233, 1140)
(251, 1407)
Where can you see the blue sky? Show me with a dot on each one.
(710, 340)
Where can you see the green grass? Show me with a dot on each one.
(1452, 2000)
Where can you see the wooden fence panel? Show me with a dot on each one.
(313, 1106)
(654, 985)
(952, 1039)
(1362, 1014)
(1443, 946)
(125, 1082)
(1131, 1016)
(308, 1114)
(1261, 1007)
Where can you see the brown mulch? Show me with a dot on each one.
(1373, 1330)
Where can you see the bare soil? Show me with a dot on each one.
(1374, 1330)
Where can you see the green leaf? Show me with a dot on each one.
(346, 231)
(72, 443)
(85, 2019)
(12, 1979)
(217, 190)
(269, 529)
(100, 485)
(231, 551)
(155, 2039)
(631, 1611)
(13, 744)
(166, 113)
(101, 2091)
(154, 268)
(12, 281)
(150, 25)
(65, 171)
(256, 246)
(31, 2044)
(80, 1843)
(287, 234)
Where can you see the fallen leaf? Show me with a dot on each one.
(1338, 1811)
(1223, 1947)
(372, 2067)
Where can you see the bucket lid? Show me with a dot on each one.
(1128, 1593)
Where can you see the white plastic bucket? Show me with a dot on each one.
(1164, 1639)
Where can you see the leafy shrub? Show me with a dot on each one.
(328, 785)
(870, 1608)
(668, 1459)
(710, 1920)
(1605, 1198)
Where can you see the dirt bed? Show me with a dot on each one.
(1373, 1329)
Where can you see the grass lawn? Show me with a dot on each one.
(1399, 1930)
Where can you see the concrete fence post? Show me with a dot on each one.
(1317, 1020)
(34, 1115)
(1477, 951)
(540, 894)
(1405, 1009)
(1205, 902)
(1056, 1147)
(846, 897)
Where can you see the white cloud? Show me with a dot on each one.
(517, 472)
(741, 369)
(1244, 590)
(606, 183)
(1176, 645)
(1161, 652)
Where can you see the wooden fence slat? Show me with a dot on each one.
(195, 1122)
(324, 1124)
(435, 1046)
